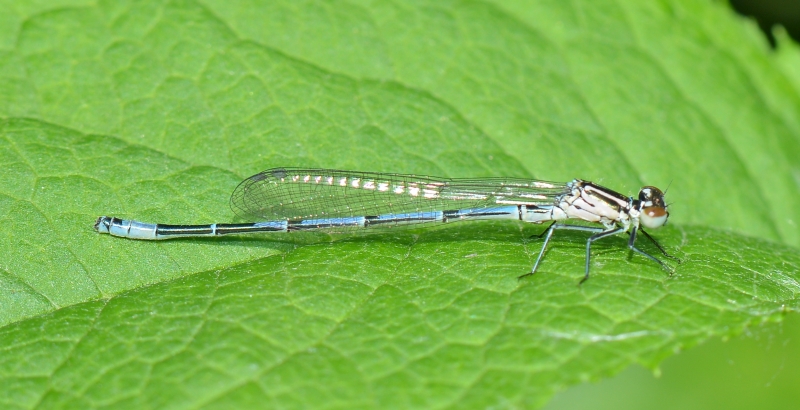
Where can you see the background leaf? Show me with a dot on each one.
(155, 110)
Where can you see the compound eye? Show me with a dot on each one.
(645, 194)
(653, 217)
(650, 193)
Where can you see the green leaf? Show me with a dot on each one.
(156, 110)
(755, 370)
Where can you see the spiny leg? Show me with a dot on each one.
(658, 245)
(549, 234)
(601, 235)
(631, 242)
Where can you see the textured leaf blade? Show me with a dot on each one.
(156, 111)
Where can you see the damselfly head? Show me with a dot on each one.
(653, 208)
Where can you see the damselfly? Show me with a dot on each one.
(298, 199)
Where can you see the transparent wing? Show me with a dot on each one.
(299, 194)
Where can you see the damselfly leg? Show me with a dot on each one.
(599, 233)
(658, 245)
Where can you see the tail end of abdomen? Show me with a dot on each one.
(125, 228)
